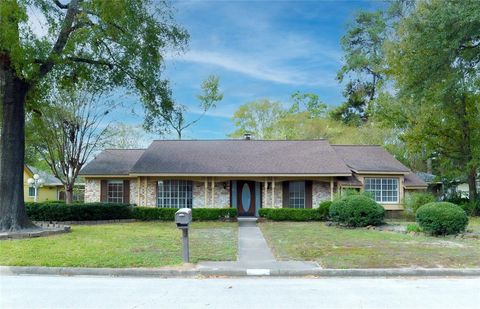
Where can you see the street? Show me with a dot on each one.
(110, 292)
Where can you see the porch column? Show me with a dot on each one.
(265, 189)
(145, 191)
(206, 193)
(331, 188)
(213, 192)
(138, 191)
(273, 192)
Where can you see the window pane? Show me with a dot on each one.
(297, 194)
(383, 190)
(115, 191)
(174, 194)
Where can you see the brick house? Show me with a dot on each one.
(246, 174)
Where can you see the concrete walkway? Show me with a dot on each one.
(254, 255)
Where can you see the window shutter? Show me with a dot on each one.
(308, 194)
(103, 191)
(126, 191)
(286, 194)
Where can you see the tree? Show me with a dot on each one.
(71, 131)
(435, 65)
(258, 118)
(308, 102)
(104, 44)
(363, 47)
(126, 136)
(175, 118)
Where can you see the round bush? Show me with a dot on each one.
(442, 218)
(357, 211)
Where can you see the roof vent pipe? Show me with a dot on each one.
(247, 136)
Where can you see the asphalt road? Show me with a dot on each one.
(109, 292)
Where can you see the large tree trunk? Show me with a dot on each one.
(472, 184)
(12, 148)
(68, 194)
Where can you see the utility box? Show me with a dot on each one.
(183, 217)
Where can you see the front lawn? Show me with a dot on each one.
(138, 244)
(334, 247)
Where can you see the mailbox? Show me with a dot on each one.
(183, 217)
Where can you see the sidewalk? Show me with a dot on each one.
(254, 255)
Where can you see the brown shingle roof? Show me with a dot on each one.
(113, 162)
(413, 181)
(240, 157)
(367, 158)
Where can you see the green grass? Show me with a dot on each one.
(334, 247)
(139, 244)
(474, 224)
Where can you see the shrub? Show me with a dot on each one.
(153, 213)
(356, 211)
(290, 214)
(205, 214)
(168, 214)
(324, 210)
(413, 227)
(415, 200)
(442, 218)
(77, 212)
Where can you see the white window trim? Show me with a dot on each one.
(397, 201)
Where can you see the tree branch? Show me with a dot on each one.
(60, 5)
(91, 61)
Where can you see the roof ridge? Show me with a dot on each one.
(356, 145)
(125, 149)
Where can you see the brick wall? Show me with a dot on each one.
(92, 190)
(320, 192)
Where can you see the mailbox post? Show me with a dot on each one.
(183, 217)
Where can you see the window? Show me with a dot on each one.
(383, 190)
(115, 191)
(31, 191)
(296, 193)
(174, 194)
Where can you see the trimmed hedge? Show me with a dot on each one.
(290, 214)
(109, 211)
(198, 214)
(357, 211)
(77, 212)
(442, 218)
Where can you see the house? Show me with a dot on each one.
(246, 174)
(51, 190)
(434, 184)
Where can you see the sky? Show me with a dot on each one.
(259, 49)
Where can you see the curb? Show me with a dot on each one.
(191, 273)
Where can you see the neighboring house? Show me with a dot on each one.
(245, 174)
(52, 188)
(435, 186)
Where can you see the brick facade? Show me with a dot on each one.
(148, 188)
(320, 192)
(92, 190)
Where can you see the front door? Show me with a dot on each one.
(246, 198)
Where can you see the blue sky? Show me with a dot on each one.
(259, 49)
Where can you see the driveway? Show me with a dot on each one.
(110, 292)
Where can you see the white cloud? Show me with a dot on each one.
(259, 68)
